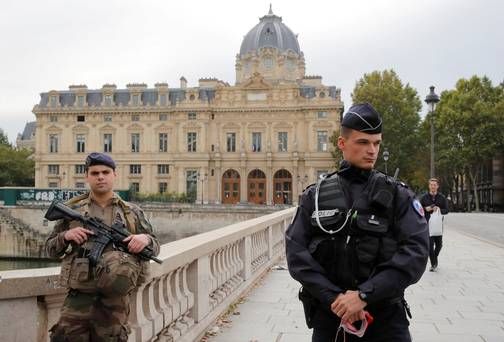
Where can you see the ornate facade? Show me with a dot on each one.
(261, 140)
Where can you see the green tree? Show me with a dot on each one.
(4, 140)
(399, 105)
(17, 168)
(469, 122)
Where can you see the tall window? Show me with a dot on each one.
(163, 169)
(163, 187)
(135, 187)
(191, 183)
(80, 169)
(135, 169)
(53, 143)
(231, 142)
(107, 142)
(53, 169)
(135, 142)
(191, 142)
(163, 142)
(256, 142)
(80, 140)
(282, 141)
(322, 141)
(80, 101)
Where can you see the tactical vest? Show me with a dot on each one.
(76, 272)
(350, 239)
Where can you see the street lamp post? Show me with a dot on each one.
(432, 99)
(202, 179)
(386, 155)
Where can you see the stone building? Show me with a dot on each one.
(261, 140)
(27, 138)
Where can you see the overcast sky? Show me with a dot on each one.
(52, 44)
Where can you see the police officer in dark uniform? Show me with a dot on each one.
(357, 240)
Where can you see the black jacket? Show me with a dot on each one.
(437, 200)
(388, 280)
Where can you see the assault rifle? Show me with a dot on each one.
(103, 234)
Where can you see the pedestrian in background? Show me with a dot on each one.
(434, 203)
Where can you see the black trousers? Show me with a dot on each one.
(436, 242)
(390, 325)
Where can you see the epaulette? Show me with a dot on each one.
(75, 202)
(309, 186)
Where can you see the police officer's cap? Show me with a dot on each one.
(363, 117)
(96, 158)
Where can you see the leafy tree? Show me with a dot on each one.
(17, 168)
(469, 123)
(399, 105)
(4, 140)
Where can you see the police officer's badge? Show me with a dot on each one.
(418, 208)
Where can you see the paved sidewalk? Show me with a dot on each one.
(463, 301)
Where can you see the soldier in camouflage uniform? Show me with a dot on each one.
(97, 305)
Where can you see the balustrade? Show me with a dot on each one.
(199, 278)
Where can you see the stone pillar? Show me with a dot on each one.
(269, 179)
(218, 182)
(246, 256)
(198, 281)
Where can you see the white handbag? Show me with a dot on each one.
(436, 224)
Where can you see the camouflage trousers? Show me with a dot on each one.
(91, 317)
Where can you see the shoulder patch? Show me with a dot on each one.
(418, 208)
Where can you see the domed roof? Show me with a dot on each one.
(270, 32)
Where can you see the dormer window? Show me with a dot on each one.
(53, 101)
(80, 101)
(163, 99)
(268, 63)
(108, 100)
(135, 100)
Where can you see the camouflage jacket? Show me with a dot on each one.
(130, 214)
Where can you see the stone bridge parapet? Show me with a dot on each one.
(200, 277)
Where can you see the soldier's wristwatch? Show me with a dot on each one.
(363, 296)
